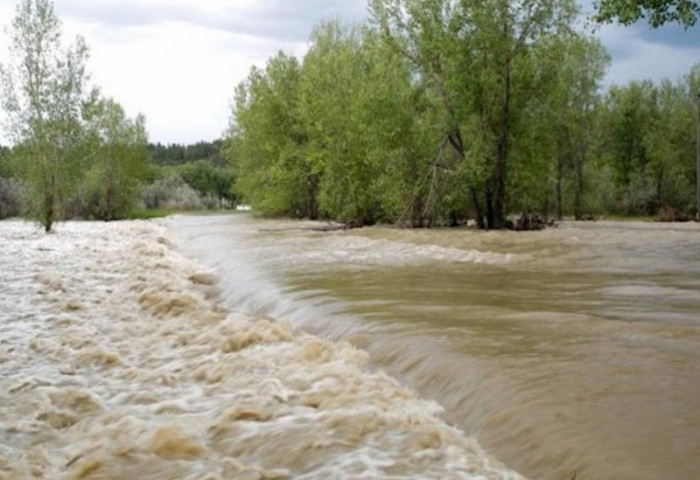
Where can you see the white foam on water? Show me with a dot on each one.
(363, 250)
(355, 250)
(116, 361)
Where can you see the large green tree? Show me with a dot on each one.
(574, 108)
(43, 93)
(656, 12)
(117, 146)
(360, 106)
(267, 142)
(487, 64)
(631, 112)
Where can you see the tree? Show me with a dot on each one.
(9, 195)
(356, 98)
(43, 89)
(4, 161)
(575, 106)
(117, 146)
(211, 183)
(631, 112)
(657, 12)
(267, 142)
(486, 63)
(175, 154)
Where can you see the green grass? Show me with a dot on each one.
(617, 217)
(147, 214)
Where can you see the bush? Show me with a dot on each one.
(10, 198)
(672, 214)
(171, 193)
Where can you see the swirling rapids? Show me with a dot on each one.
(571, 349)
(117, 362)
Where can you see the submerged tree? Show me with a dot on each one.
(43, 92)
(649, 137)
(439, 111)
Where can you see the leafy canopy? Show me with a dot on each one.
(657, 12)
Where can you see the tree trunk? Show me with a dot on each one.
(578, 191)
(477, 207)
(312, 182)
(496, 211)
(560, 174)
(660, 200)
(47, 214)
(489, 209)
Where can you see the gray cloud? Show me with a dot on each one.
(668, 35)
(281, 20)
(640, 53)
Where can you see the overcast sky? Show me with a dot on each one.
(178, 61)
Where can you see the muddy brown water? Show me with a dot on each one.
(576, 349)
(117, 361)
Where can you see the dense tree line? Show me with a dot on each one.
(437, 112)
(211, 185)
(201, 166)
(178, 154)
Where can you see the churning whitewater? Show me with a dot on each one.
(116, 361)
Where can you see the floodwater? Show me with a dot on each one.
(576, 349)
(119, 361)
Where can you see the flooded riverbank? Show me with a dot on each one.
(117, 361)
(576, 348)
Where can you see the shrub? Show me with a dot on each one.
(171, 193)
(10, 198)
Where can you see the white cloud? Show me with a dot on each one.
(277, 19)
(180, 76)
(178, 61)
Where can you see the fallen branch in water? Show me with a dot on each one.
(331, 227)
(528, 222)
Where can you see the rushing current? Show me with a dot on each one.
(119, 360)
(572, 351)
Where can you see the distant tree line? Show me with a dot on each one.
(192, 185)
(198, 184)
(440, 112)
(178, 154)
(203, 169)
